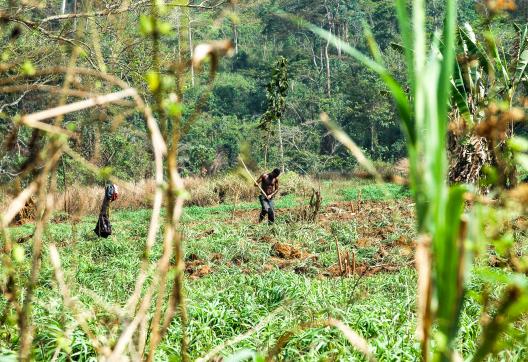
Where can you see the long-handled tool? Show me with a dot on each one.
(250, 175)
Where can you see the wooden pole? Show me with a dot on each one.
(250, 175)
(348, 263)
(65, 187)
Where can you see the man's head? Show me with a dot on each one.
(275, 173)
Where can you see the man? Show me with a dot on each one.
(269, 183)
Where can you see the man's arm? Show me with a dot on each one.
(258, 180)
(276, 187)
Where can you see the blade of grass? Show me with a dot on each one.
(405, 30)
(448, 252)
(352, 147)
(448, 53)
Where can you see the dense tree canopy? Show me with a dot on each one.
(321, 79)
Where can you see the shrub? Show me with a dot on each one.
(201, 190)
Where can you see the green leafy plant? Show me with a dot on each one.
(485, 85)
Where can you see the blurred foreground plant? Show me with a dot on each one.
(447, 237)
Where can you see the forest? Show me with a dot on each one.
(269, 180)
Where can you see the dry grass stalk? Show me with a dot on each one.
(346, 271)
(33, 120)
(46, 205)
(18, 204)
(352, 337)
(353, 263)
(352, 147)
(138, 304)
(355, 339)
(339, 257)
(44, 210)
(423, 293)
(251, 176)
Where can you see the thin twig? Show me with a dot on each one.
(77, 106)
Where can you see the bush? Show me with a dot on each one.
(293, 183)
(201, 190)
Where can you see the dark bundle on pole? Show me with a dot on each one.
(103, 228)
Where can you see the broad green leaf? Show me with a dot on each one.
(474, 49)
(373, 45)
(146, 25)
(447, 65)
(499, 64)
(518, 144)
(164, 28)
(449, 259)
(461, 102)
(520, 69)
(404, 22)
(522, 160)
(153, 80)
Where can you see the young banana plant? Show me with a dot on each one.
(481, 74)
(480, 71)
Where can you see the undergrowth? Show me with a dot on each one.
(235, 279)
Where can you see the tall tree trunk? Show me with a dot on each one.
(315, 59)
(179, 38)
(339, 35)
(65, 186)
(266, 149)
(321, 59)
(331, 29)
(373, 137)
(235, 37)
(327, 58)
(191, 50)
(281, 146)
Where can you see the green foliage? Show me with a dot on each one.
(276, 94)
(376, 192)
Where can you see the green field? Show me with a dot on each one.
(237, 274)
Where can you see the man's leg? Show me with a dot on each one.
(263, 210)
(271, 212)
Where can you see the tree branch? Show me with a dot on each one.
(125, 9)
(14, 103)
